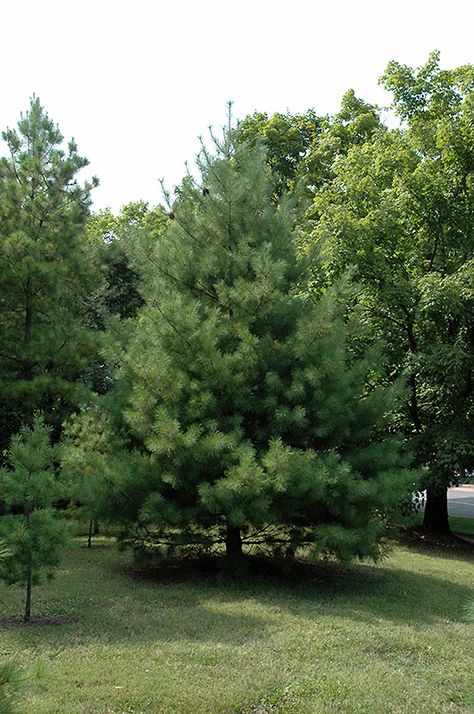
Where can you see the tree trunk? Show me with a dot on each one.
(27, 614)
(91, 528)
(27, 371)
(436, 512)
(233, 543)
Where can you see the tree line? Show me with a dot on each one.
(277, 356)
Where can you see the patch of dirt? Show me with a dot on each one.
(37, 621)
(250, 569)
(448, 542)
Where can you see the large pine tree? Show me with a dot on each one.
(244, 411)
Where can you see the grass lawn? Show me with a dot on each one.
(462, 526)
(384, 638)
(459, 526)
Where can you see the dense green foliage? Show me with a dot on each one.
(400, 210)
(123, 245)
(48, 275)
(247, 360)
(31, 530)
(301, 149)
(126, 241)
(5, 552)
(242, 406)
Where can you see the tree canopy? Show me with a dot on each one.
(48, 274)
(400, 212)
(245, 410)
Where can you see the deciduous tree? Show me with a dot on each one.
(400, 211)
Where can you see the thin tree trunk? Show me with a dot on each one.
(29, 574)
(27, 614)
(91, 529)
(436, 512)
(415, 413)
(27, 363)
(233, 543)
(28, 323)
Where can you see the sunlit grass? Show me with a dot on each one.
(392, 637)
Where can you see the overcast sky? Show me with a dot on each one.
(136, 82)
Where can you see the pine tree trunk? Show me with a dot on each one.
(436, 512)
(27, 369)
(29, 575)
(27, 615)
(26, 364)
(233, 543)
(91, 528)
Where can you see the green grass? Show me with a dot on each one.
(391, 638)
(462, 526)
(459, 525)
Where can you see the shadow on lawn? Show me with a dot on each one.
(366, 592)
(452, 547)
(199, 601)
(153, 624)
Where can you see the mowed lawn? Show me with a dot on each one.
(462, 526)
(391, 637)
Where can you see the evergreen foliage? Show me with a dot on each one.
(5, 552)
(12, 682)
(48, 275)
(242, 409)
(31, 530)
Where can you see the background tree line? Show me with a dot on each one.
(272, 357)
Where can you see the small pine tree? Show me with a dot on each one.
(85, 455)
(245, 404)
(31, 530)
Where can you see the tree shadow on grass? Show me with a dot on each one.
(374, 592)
(118, 626)
(453, 547)
(199, 601)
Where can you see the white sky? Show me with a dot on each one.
(136, 82)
